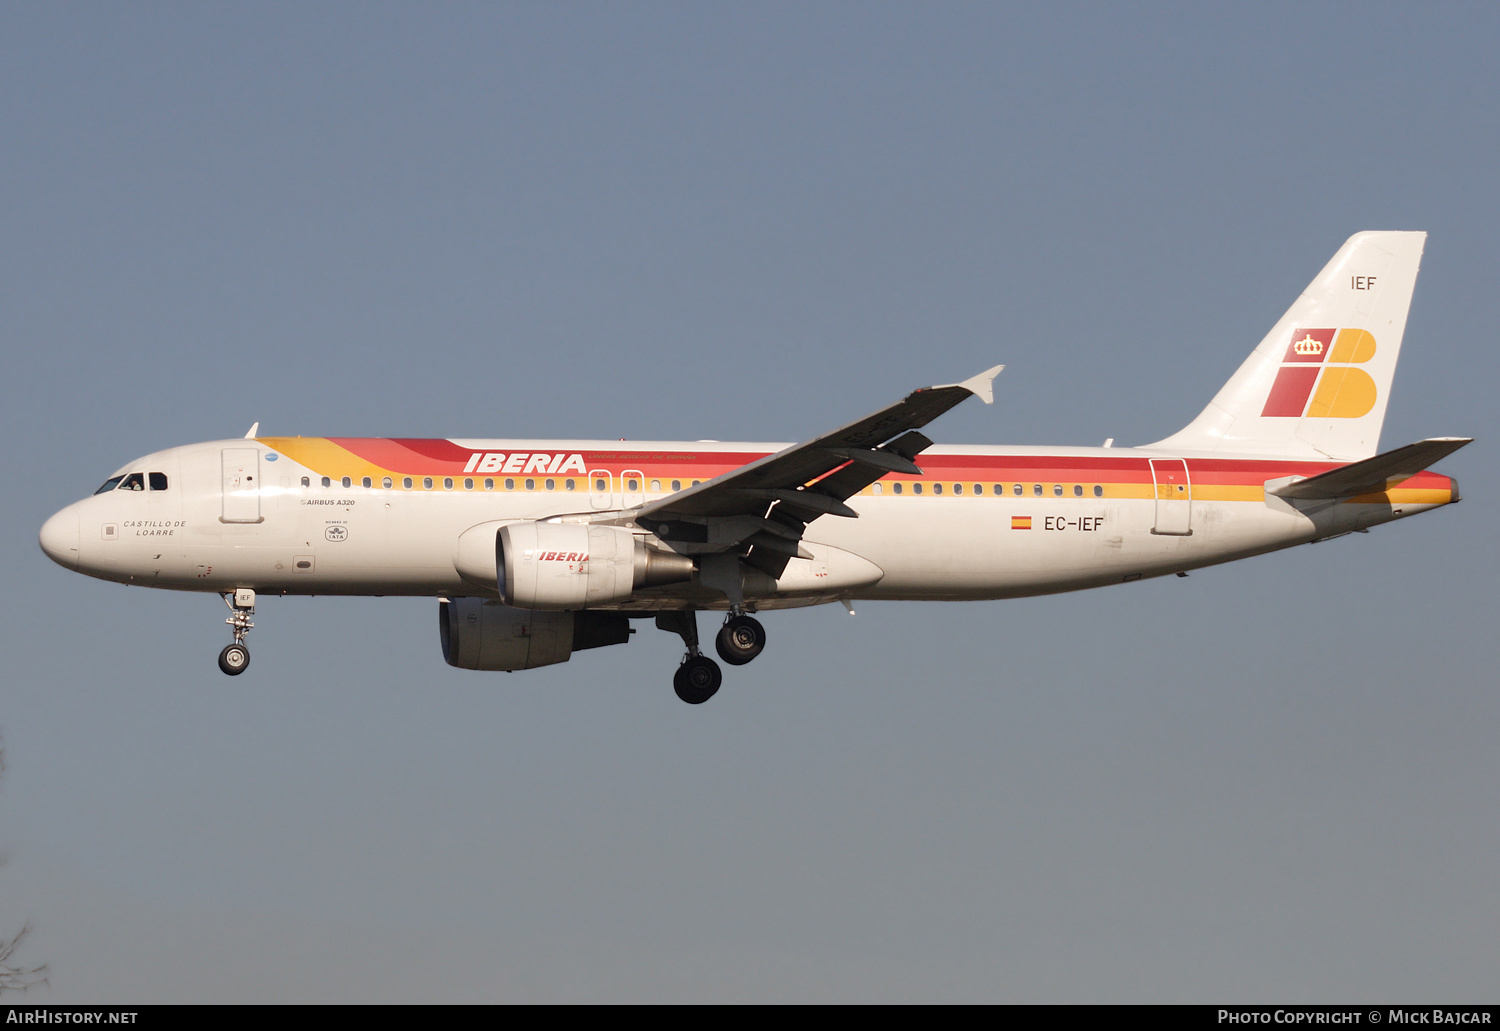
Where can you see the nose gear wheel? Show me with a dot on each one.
(234, 659)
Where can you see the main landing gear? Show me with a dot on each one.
(235, 658)
(740, 639)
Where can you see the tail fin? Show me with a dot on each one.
(1317, 385)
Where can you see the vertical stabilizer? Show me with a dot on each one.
(1317, 385)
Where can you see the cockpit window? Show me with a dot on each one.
(135, 481)
(158, 481)
(110, 484)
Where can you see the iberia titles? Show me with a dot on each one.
(524, 463)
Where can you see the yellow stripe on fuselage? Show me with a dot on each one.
(320, 453)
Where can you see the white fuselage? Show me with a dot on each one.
(988, 522)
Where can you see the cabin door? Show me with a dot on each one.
(1174, 497)
(241, 485)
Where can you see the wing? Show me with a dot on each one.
(761, 509)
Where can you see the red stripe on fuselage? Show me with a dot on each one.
(418, 456)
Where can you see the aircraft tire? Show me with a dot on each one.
(740, 639)
(234, 659)
(697, 679)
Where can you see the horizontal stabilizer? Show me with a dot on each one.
(1372, 475)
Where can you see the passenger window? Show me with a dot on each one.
(327, 482)
(1018, 490)
(676, 486)
(655, 486)
(387, 482)
(468, 483)
(110, 484)
(550, 484)
(979, 488)
(510, 484)
(570, 484)
(365, 482)
(306, 482)
(1098, 491)
(1078, 490)
(601, 484)
(896, 488)
(447, 483)
(937, 488)
(877, 488)
(134, 482)
(158, 481)
(1057, 490)
(958, 488)
(531, 485)
(427, 483)
(916, 488)
(632, 485)
(489, 484)
(347, 482)
(406, 482)
(1036, 489)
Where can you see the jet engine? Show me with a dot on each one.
(481, 633)
(576, 566)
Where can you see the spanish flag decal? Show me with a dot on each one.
(1020, 522)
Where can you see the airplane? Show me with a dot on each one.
(535, 549)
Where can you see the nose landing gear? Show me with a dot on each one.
(235, 658)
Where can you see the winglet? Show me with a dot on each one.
(981, 386)
(254, 429)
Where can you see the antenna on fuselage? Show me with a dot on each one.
(254, 429)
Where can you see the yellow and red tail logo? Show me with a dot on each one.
(1327, 358)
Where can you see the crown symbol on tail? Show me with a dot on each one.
(1307, 345)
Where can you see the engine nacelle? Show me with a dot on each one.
(481, 633)
(578, 566)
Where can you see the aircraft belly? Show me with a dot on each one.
(971, 549)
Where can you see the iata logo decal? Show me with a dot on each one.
(524, 463)
(1325, 358)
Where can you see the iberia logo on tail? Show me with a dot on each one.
(1329, 359)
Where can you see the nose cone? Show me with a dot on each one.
(60, 537)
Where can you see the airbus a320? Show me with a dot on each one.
(536, 549)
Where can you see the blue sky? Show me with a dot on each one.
(1270, 781)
